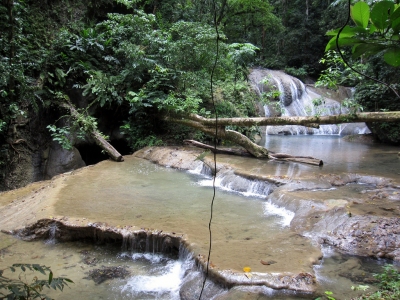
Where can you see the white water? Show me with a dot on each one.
(229, 182)
(297, 100)
(285, 214)
(162, 280)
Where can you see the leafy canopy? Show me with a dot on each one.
(377, 29)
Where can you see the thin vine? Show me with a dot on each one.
(215, 145)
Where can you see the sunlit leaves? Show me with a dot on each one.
(377, 30)
(360, 14)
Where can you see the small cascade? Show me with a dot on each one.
(296, 99)
(275, 210)
(228, 181)
(149, 242)
(201, 169)
(52, 234)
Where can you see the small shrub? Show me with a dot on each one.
(23, 289)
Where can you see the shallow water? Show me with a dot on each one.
(246, 227)
(152, 276)
(144, 195)
(339, 155)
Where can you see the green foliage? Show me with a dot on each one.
(297, 72)
(337, 72)
(377, 30)
(140, 135)
(377, 97)
(389, 285)
(21, 288)
(241, 55)
(81, 125)
(61, 136)
(328, 295)
(271, 95)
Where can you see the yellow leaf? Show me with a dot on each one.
(247, 269)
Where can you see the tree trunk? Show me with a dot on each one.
(222, 133)
(95, 135)
(229, 151)
(302, 159)
(208, 126)
(309, 121)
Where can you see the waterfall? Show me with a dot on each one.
(297, 99)
(51, 240)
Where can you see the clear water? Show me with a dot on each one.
(152, 276)
(246, 227)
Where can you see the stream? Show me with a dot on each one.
(275, 219)
(246, 226)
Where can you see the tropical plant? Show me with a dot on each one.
(23, 289)
(376, 30)
(337, 72)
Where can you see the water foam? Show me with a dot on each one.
(163, 282)
(285, 214)
(236, 184)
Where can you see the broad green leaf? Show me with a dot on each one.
(380, 14)
(372, 29)
(395, 18)
(50, 277)
(342, 42)
(347, 31)
(395, 15)
(392, 57)
(360, 14)
(366, 49)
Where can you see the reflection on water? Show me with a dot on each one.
(339, 155)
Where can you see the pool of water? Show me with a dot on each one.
(246, 227)
(149, 276)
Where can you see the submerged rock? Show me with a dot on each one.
(105, 273)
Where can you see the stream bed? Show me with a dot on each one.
(249, 230)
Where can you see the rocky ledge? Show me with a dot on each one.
(63, 230)
(357, 214)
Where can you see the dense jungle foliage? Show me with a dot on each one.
(124, 63)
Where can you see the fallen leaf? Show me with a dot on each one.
(247, 269)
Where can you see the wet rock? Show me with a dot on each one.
(91, 261)
(106, 273)
(60, 160)
(361, 235)
(192, 286)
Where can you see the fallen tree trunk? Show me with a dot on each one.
(229, 151)
(277, 156)
(94, 134)
(302, 159)
(230, 135)
(208, 126)
(308, 121)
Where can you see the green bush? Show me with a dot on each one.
(23, 289)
